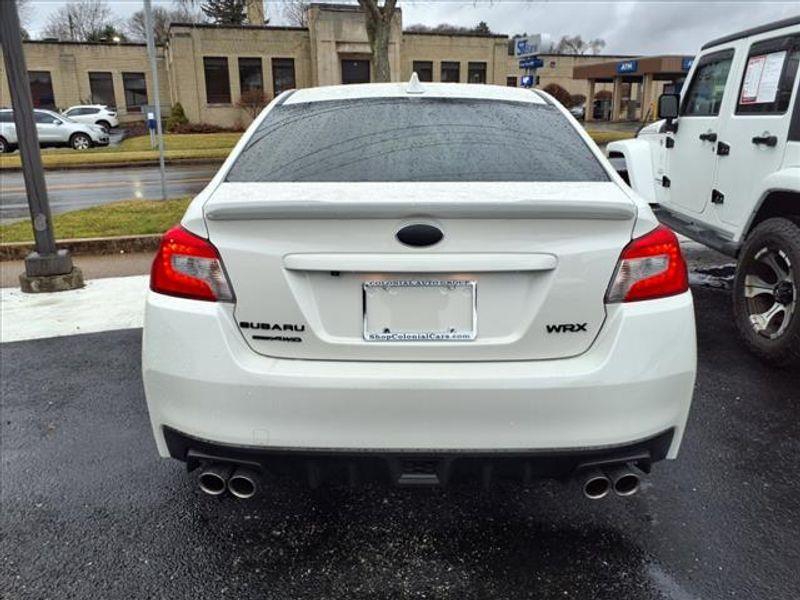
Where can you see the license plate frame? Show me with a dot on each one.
(466, 333)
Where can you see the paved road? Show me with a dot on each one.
(81, 188)
(89, 511)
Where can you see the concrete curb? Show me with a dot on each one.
(112, 245)
(125, 165)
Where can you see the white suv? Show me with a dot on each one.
(53, 130)
(724, 169)
(97, 114)
(423, 284)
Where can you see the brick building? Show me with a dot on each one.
(207, 67)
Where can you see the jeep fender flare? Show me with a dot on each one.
(784, 180)
(638, 156)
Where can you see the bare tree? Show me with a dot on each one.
(446, 28)
(576, 45)
(379, 27)
(253, 102)
(295, 12)
(136, 27)
(187, 11)
(24, 11)
(78, 21)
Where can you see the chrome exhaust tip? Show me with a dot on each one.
(596, 485)
(624, 480)
(244, 483)
(213, 478)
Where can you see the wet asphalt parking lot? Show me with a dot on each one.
(90, 511)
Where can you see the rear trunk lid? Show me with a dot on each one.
(520, 273)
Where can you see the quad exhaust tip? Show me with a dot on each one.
(622, 480)
(213, 479)
(596, 485)
(243, 483)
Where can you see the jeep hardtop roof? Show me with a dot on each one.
(753, 31)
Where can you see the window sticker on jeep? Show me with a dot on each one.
(762, 78)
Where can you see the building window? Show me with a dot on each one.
(42, 89)
(251, 78)
(451, 72)
(218, 82)
(476, 72)
(423, 69)
(282, 75)
(135, 91)
(511, 81)
(101, 87)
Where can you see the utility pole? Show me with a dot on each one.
(151, 52)
(47, 269)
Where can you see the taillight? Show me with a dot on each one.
(189, 266)
(651, 266)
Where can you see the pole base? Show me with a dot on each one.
(45, 265)
(51, 283)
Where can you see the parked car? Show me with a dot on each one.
(724, 169)
(579, 112)
(53, 130)
(96, 114)
(423, 284)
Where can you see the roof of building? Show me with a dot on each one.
(401, 89)
(645, 65)
(246, 26)
(753, 31)
(457, 33)
(342, 7)
(74, 43)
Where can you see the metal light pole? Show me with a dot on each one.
(151, 52)
(47, 269)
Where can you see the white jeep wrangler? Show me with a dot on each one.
(723, 168)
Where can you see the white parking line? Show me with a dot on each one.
(103, 305)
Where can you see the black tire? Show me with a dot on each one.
(4, 146)
(105, 125)
(771, 250)
(80, 141)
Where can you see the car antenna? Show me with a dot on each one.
(414, 86)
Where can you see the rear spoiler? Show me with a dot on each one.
(254, 210)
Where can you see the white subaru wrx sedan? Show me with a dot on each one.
(423, 284)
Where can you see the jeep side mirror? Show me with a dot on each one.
(668, 106)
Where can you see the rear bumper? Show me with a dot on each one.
(635, 383)
(412, 468)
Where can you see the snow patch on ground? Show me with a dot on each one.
(103, 305)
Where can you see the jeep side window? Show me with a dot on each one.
(704, 96)
(769, 75)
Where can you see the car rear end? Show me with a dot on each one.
(420, 288)
(108, 115)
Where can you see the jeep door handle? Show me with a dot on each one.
(766, 140)
(708, 137)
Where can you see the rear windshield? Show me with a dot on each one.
(416, 139)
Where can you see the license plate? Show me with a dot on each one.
(419, 310)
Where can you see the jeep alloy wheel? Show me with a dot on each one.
(766, 291)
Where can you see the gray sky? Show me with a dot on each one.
(631, 27)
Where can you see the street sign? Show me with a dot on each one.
(527, 46)
(687, 62)
(527, 81)
(628, 66)
(531, 63)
